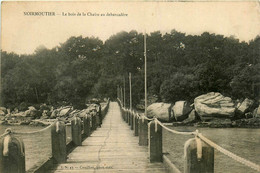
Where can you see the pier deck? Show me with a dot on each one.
(111, 148)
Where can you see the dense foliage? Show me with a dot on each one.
(180, 67)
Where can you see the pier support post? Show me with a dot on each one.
(76, 131)
(136, 123)
(132, 120)
(155, 142)
(127, 116)
(12, 154)
(58, 142)
(86, 125)
(202, 161)
(143, 132)
(94, 121)
(90, 121)
(124, 113)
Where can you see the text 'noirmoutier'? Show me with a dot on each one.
(74, 14)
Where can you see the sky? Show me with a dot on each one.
(23, 34)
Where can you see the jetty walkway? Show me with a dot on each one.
(111, 148)
(120, 145)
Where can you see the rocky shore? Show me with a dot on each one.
(46, 114)
(209, 110)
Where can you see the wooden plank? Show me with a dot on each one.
(111, 148)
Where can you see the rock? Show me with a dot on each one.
(16, 110)
(83, 113)
(162, 111)
(249, 115)
(93, 107)
(3, 109)
(2, 118)
(181, 109)
(214, 105)
(256, 113)
(31, 108)
(245, 106)
(2, 113)
(19, 114)
(46, 113)
(54, 113)
(32, 112)
(61, 112)
(65, 111)
(192, 117)
(44, 107)
(73, 113)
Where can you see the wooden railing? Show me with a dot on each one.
(12, 152)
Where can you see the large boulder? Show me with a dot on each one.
(256, 113)
(244, 107)
(192, 117)
(162, 111)
(181, 109)
(214, 105)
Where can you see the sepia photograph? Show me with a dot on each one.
(130, 87)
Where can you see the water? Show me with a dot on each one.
(241, 141)
(37, 146)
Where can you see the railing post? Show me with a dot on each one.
(132, 120)
(127, 117)
(155, 141)
(76, 131)
(201, 161)
(94, 122)
(12, 154)
(90, 121)
(123, 113)
(58, 142)
(143, 132)
(86, 125)
(136, 125)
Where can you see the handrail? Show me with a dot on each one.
(215, 146)
(7, 131)
(230, 154)
(37, 131)
(173, 131)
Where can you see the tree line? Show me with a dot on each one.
(179, 67)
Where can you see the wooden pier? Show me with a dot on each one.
(111, 148)
(120, 145)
